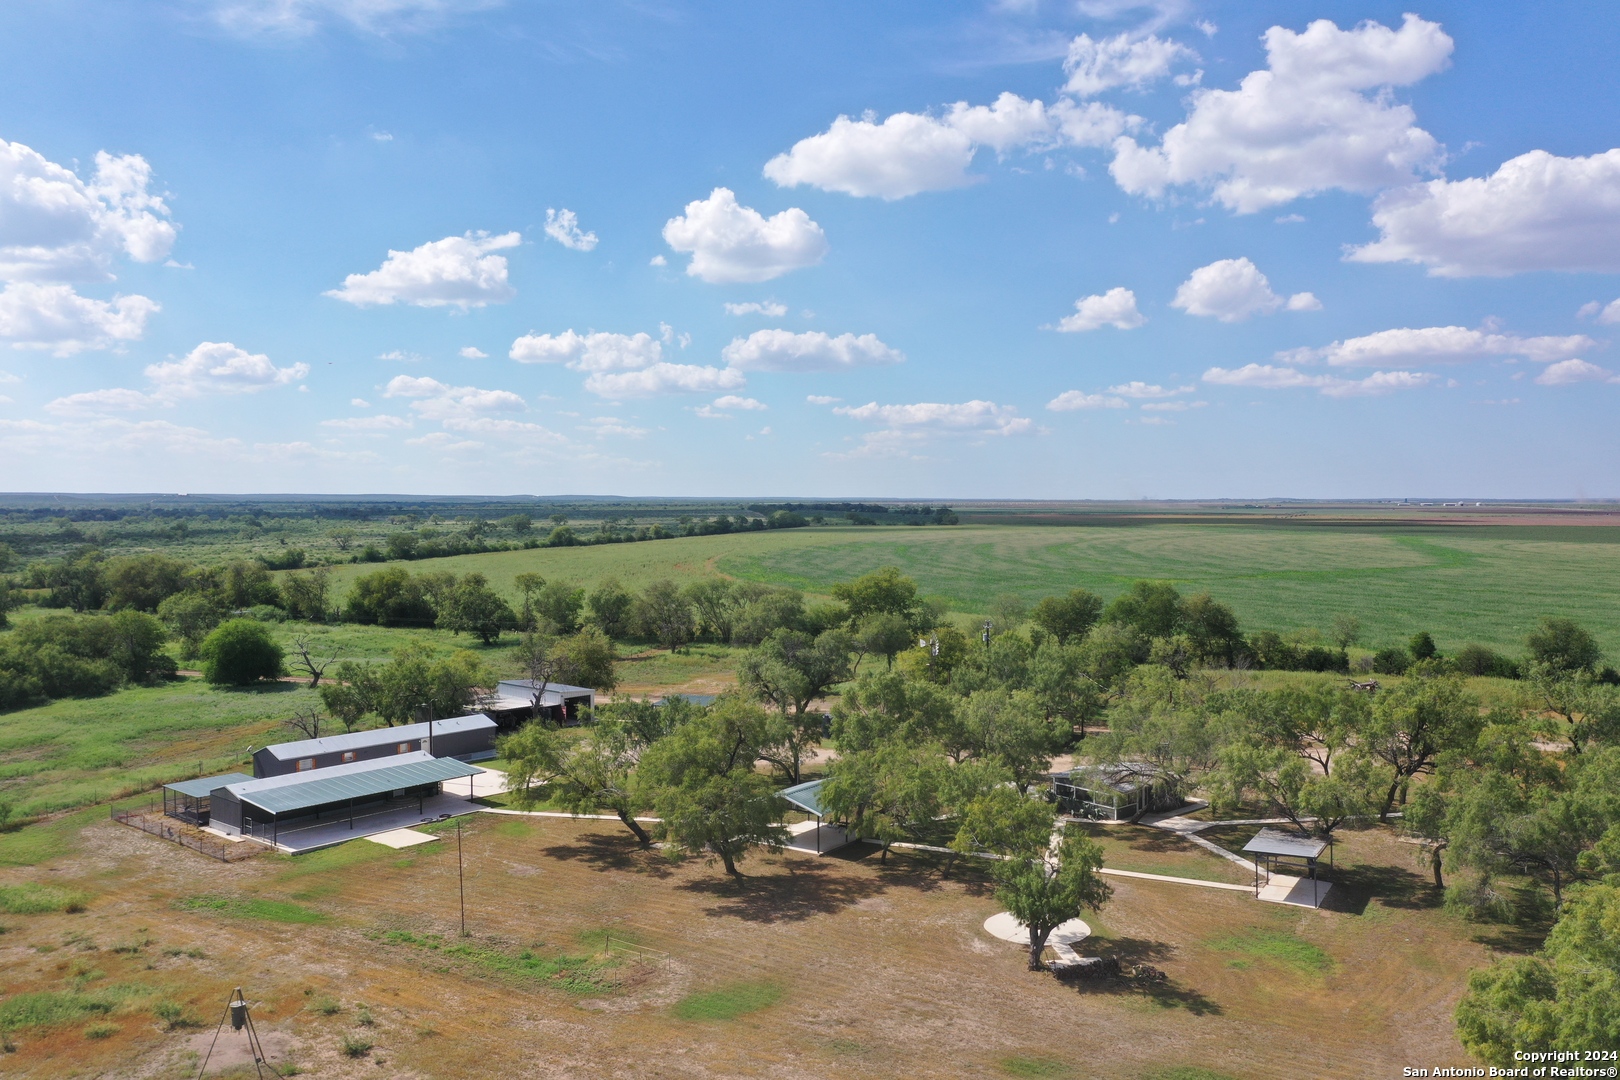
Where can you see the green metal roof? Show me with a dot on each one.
(204, 786)
(806, 796)
(320, 787)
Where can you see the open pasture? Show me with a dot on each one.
(1485, 583)
(808, 968)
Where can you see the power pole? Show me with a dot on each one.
(461, 879)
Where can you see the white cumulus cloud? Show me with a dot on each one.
(440, 401)
(984, 417)
(55, 317)
(472, 352)
(768, 308)
(783, 350)
(1139, 389)
(1073, 400)
(1436, 344)
(219, 367)
(1319, 117)
(1122, 60)
(380, 423)
(732, 401)
(1231, 290)
(591, 352)
(822, 399)
(1569, 372)
(1538, 211)
(1268, 377)
(730, 243)
(665, 378)
(55, 226)
(563, 227)
(457, 271)
(101, 402)
(1116, 308)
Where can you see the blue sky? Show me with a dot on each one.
(979, 250)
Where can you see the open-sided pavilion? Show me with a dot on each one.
(816, 836)
(1273, 848)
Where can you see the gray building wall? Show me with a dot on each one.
(462, 745)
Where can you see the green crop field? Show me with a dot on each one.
(1487, 584)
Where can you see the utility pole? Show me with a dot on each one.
(987, 625)
(461, 879)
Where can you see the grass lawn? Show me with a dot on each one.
(807, 968)
(1463, 583)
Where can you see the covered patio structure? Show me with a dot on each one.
(189, 800)
(1272, 848)
(813, 836)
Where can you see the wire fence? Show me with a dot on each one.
(152, 820)
(641, 952)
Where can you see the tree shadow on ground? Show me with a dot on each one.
(1354, 885)
(805, 889)
(609, 851)
(918, 870)
(1130, 952)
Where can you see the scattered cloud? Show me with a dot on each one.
(563, 227)
(58, 319)
(981, 417)
(1172, 406)
(1569, 372)
(730, 243)
(1538, 211)
(1320, 117)
(1074, 400)
(1140, 389)
(439, 401)
(1436, 344)
(400, 356)
(783, 350)
(298, 18)
(769, 308)
(101, 402)
(590, 352)
(219, 367)
(665, 378)
(611, 427)
(1119, 61)
(822, 399)
(360, 403)
(657, 260)
(54, 226)
(472, 352)
(457, 271)
(97, 438)
(1268, 377)
(732, 401)
(382, 422)
(908, 153)
(1231, 290)
(1116, 308)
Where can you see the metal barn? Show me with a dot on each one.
(465, 738)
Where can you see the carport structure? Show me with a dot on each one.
(303, 811)
(188, 800)
(819, 838)
(1272, 848)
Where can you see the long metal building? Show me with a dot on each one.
(465, 738)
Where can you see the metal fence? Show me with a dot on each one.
(640, 952)
(152, 820)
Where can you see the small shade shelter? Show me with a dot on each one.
(1272, 848)
(807, 797)
(189, 800)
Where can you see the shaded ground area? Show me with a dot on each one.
(871, 970)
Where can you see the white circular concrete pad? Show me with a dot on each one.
(1007, 928)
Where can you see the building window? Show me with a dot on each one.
(305, 763)
(348, 756)
(404, 748)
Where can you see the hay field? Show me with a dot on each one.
(1485, 584)
(810, 968)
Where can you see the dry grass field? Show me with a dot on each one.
(808, 968)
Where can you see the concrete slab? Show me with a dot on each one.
(401, 838)
(1294, 891)
(330, 831)
(808, 837)
(1061, 940)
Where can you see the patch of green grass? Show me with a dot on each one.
(1186, 1072)
(247, 907)
(46, 1007)
(356, 1046)
(1034, 1067)
(32, 898)
(101, 1030)
(175, 1016)
(1279, 947)
(728, 1002)
(327, 1006)
(514, 829)
(45, 840)
(575, 974)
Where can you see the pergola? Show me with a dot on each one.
(807, 797)
(1272, 846)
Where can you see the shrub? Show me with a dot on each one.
(356, 1046)
(174, 1015)
(239, 653)
(101, 1031)
(327, 1006)
(1478, 660)
(1392, 661)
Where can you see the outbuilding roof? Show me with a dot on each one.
(203, 786)
(354, 740)
(356, 780)
(1276, 842)
(806, 796)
